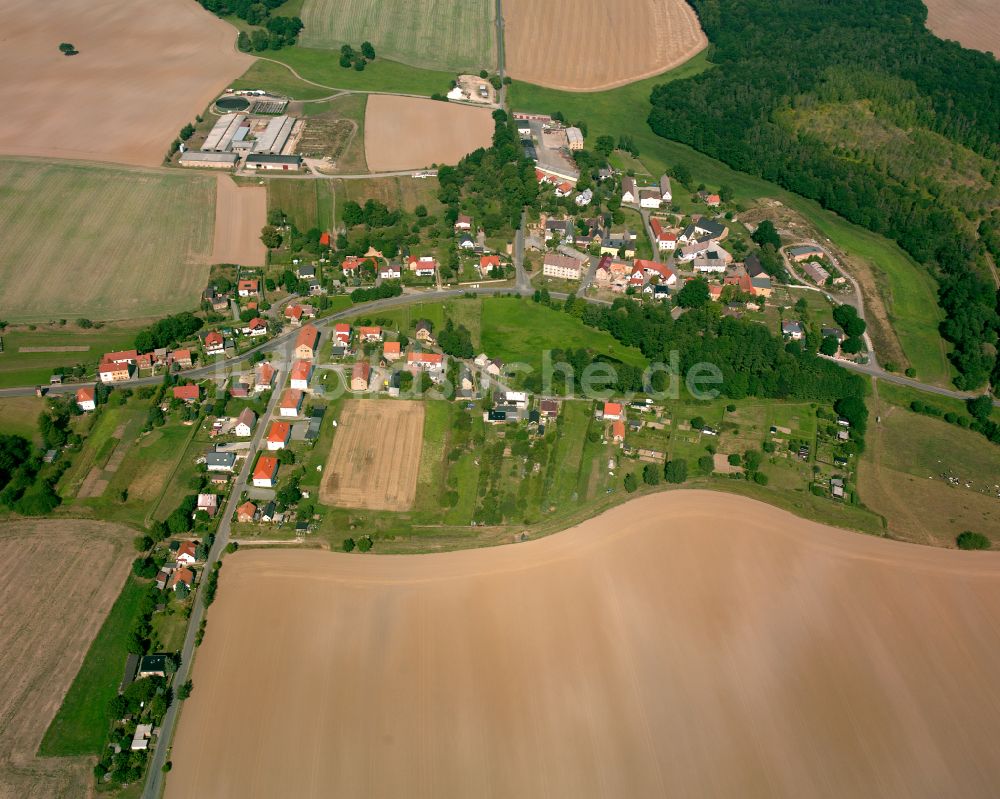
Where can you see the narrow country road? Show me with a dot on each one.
(154, 776)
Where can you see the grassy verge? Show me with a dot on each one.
(81, 724)
(19, 416)
(907, 289)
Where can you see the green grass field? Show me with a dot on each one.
(28, 368)
(908, 291)
(322, 67)
(101, 242)
(80, 727)
(424, 33)
(19, 416)
(308, 203)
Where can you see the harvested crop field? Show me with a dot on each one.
(375, 456)
(971, 23)
(410, 132)
(112, 101)
(240, 213)
(101, 242)
(57, 581)
(688, 643)
(423, 33)
(592, 45)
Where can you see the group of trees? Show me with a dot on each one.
(168, 331)
(455, 340)
(277, 31)
(389, 288)
(894, 62)
(351, 58)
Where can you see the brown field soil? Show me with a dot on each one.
(687, 643)
(593, 45)
(374, 456)
(411, 132)
(240, 213)
(58, 579)
(971, 23)
(144, 70)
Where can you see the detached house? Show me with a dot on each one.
(306, 342)
(391, 351)
(630, 192)
(650, 198)
(342, 333)
(293, 313)
(463, 222)
(424, 266)
(430, 361)
(86, 398)
(352, 265)
(360, 375)
(245, 423)
(255, 327)
(488, 263)
(665, 239)
(278, 436)
(215, 344)
(247, 288)
(302, 372)
(291, 402)
(190, 393)
(612, 412)
(665, 193)
(110, 372)
(666, 275)
(793, 330)
(265, 473)
(390, 271)
(246, 512)
(370, 333)
(263, 376)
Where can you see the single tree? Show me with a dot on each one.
(631, 484)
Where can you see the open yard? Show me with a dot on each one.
(375, 457)
(433, 34)
(410, 132)
(59, 578)
(588, 664)
(101, 242)
(144, 70)
(240, 213)
(591, 45)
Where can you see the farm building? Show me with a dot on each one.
(208, 160)
(284, 163)
(220, 139)
(274, 137)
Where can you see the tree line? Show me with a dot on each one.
(773, 55)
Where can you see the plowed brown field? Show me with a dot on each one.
(411, 132)
(588, 45)
(971, 23)
(240, 213)
(144, 70)
(375, 456)
(688, 643)
(57, 581)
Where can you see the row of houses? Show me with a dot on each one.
(126, 364)
(418, 266)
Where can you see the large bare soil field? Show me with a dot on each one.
(57, 581)
(971, 23)
(144, 70)
(100, 241)
(240, 213)
(688, 643)
(587, 45)
(411, 132)
(375, 456)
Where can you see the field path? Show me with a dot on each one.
(687, 643)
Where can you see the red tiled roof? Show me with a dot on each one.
(489, 260)
(391, 348)
(87, 393)
(279, 432)
(301, 370)
(324, 239)
(215, 337)
(293, 312)
(292, 398)
(307, 336)
(265, 374)
(361, 370)
(247, 509)
(266, 468)
(191, 392)
(618, 429)
(121, 356)
(612, 409)
(424, 357)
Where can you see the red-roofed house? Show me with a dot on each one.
(352, 264)
(110, 372)
(302, 372)
(665, 240)
(190, 393)
(391, 351)
(360, 375)
(263, 377)
(713, 200)
(255, 327)
(390, 271)
(246, 512)
(186, 553)
(463, 222)
(215, 344)
(144, 361)
(618, 431)
(370, 333)
(306, 341)
(424, 266)
(265, 472)
(278, 435)
(293, 313)
(180, 357)
(291, 403)
(342, 332)
(667, 275)
(86, 397)
(183, 575)
(488, 263)
(431, 361)
(123, 356)
(324, 239)
(564, 189)
(612, 411)
(245, 288)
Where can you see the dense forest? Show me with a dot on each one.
(778, 57)
(277, 31)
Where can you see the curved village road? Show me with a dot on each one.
(154, 778)
(285, 339)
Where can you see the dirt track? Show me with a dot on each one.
(591, 45)
(240, 213)
(58, 579)
(375, 456)
(410, 132)
(144, 70)
(684, 644)
(971, 23)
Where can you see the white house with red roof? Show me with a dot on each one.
(293, 313)
(278, 436)
(352, 265)
(265, 473)
(123, 356)
(215, 344)
(612, 412)
(424, 266)
(291, 403)
(430, 361)
(191, 393)
(86, 398)
(342, 333)
(302, 372)
(463, 222)
(666, 275)
(665, 239)
(263, 377)
(255, 327)
(488, 263)
(370, 333)
(247, 288)
(245, 423)
(185, 555)
(390, 271)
